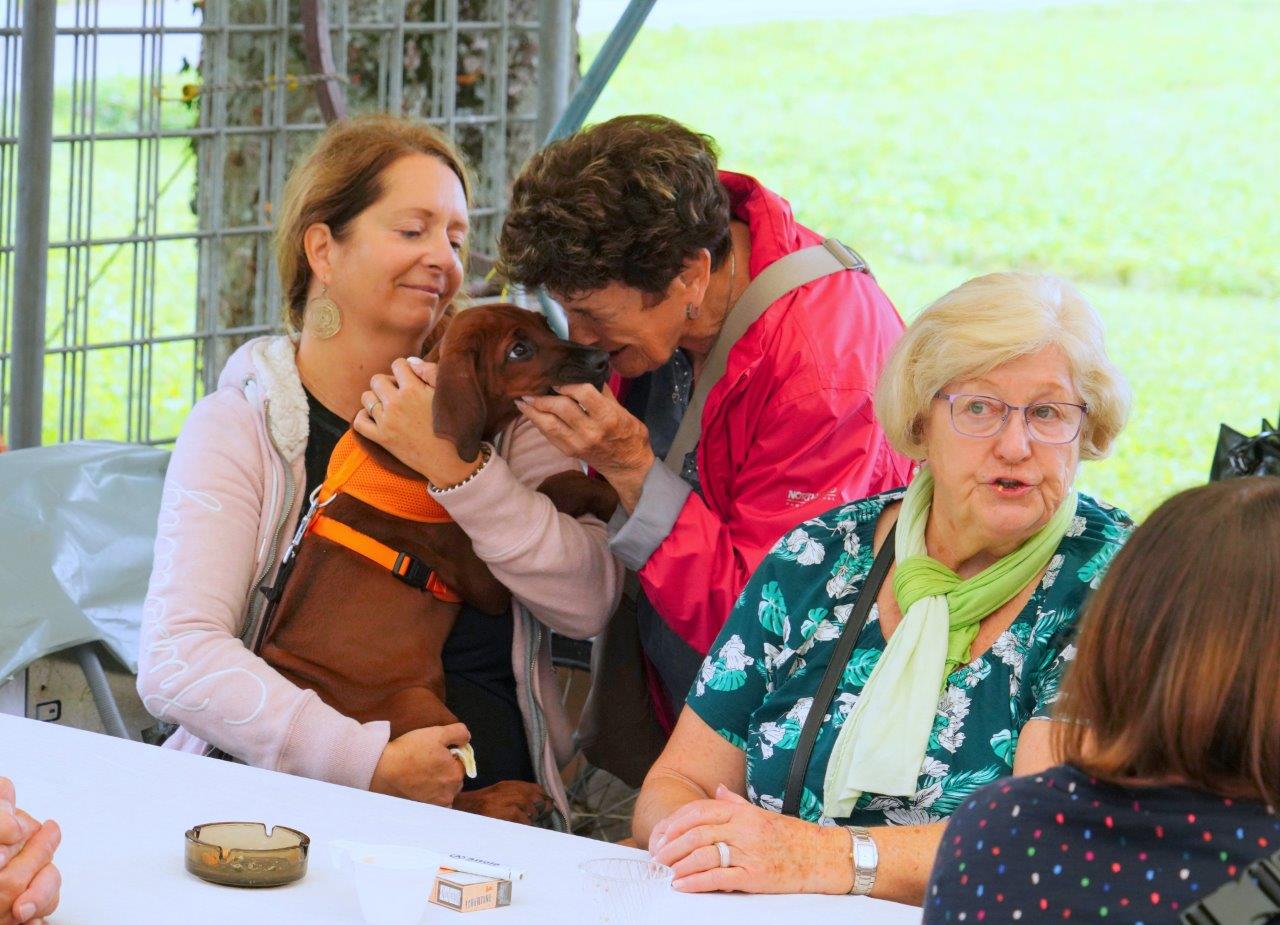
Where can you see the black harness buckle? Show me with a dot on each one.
(1253, 899)
(413, 572)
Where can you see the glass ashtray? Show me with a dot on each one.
(627, 891)
(246, 854)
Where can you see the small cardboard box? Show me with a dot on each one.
(464, 892)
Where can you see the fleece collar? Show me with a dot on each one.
(271, 364)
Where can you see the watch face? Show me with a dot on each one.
(864, 855)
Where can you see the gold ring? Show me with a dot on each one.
(373, 404)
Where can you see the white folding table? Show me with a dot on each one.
(124, 808)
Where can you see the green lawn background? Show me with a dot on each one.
(116, 292)
(1130, 147)
(1133, 148)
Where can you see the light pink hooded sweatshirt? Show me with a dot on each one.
(232, 499)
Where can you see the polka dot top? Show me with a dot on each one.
(1062, 845)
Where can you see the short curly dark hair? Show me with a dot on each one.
(627, 201)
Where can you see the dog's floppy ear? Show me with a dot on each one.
(459, 411)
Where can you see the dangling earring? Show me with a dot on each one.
(691, 311)
(323, 317)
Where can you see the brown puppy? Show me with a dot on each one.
(369, 642)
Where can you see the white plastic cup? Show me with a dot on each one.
(393, 882)
(626, 891)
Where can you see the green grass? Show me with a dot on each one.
(109, 180)
(1129, 147)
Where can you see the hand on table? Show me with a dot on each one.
(29, 883)
(768, 852)
(419, 766)
(585, 423)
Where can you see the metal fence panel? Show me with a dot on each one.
(174, 125)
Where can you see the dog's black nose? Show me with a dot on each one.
(585, 364)
(597, 363)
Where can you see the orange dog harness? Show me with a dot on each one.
(388, 492)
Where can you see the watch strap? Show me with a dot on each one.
(865, 858)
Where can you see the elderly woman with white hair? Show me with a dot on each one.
(893, 655)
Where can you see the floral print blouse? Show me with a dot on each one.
(756, 686)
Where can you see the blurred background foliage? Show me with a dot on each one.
(1131, 147)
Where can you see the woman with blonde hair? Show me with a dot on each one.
(1168, 732)
(894, 654)
(370, 244)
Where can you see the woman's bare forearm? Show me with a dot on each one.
(664, 792)
(906, 857)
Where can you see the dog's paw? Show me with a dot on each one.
(512, 800)
(576, 494)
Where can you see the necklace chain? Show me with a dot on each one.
(733, 275)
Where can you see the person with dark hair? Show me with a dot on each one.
(1170, 735)
(653, 253)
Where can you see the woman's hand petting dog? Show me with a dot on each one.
(588, 424)
(512, 800)
(397, 414)
(419, 766)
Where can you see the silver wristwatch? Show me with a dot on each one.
(865, 857)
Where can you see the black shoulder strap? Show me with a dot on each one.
(839, 658)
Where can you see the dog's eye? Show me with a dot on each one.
(519, 351)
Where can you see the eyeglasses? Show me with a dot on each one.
(983, 416)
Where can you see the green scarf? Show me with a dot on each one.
(882, 743)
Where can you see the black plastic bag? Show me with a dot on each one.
(1238, 455)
